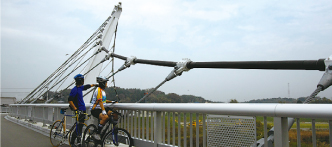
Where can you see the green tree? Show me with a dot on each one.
(233, 101)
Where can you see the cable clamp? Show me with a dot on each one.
(326, 80)
(102, 29)
(102, 48)
(181, 66)
(179, 69)
(100, 35)
(328, 63)
(130, 61)
(99, 42)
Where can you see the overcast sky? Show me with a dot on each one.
(36, 36)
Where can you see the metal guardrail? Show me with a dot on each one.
(4, 109)
(167, 124)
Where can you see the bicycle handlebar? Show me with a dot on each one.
(77, 115)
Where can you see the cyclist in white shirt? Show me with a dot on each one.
(97, 105)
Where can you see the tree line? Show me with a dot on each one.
(132, 95)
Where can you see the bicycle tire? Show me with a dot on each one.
(71, 133)
(123, 137)
(56, 133)
(87, 139)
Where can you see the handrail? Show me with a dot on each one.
(243, 109)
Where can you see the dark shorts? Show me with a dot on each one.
(95, 113)
(81, 117)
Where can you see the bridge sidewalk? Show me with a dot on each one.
(13, 134)
(36, 129)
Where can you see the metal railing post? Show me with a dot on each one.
(147, 124)
(281, 132)
(168, 128)
(44, 117)
(139, 124)
(298, 130)
(265, 132)
(330, 132)
(191, 129)
(204, 130)
(179, 129)
(197, 129)
(314, 142)
(184, 129)
(173, 128)
(157, 128)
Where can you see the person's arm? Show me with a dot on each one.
(89, 86)
(102, 107)
(71, 103)
(94, 105)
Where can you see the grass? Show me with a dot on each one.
(305, 123)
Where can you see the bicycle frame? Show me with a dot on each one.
(64, 122)
(107, 127)
(114, 126)
(65, 133)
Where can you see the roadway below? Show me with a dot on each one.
(14, 135)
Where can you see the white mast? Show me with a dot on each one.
(107, 34)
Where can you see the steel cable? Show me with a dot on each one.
(313, 95)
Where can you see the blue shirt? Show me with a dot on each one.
(77, 94)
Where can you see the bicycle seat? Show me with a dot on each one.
(63, 110)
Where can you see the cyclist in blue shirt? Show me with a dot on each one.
(76, 102)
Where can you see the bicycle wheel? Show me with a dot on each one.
(88, 140)
(119, 137)
(56, 133)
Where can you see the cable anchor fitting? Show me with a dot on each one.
(180, 67)
(99, 42)
(129, 61)
(102, 48)
(326, 80)
(100, 35)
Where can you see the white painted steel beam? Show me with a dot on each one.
(253, 109)
(108, 32)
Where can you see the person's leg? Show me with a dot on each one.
(78, 130)
(103, 120)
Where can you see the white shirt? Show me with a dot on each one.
(99, 94)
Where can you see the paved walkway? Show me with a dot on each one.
(14, 135)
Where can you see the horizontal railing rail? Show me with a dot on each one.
(183, 124)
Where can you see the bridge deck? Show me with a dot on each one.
(13, 135)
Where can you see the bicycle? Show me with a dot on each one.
(113, 137)
(58, 132)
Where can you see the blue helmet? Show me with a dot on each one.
(79, 77)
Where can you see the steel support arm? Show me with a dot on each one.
(281, 65)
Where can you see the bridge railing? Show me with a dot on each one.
(4, 109)
(184, 124)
